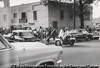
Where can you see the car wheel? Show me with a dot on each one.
(72, 43)
(58, 43)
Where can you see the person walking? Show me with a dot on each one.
(41, 33)
(54, 33)
(87, 28)
(49, 34)
(90, 30)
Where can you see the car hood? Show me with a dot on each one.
(33, 45)
(36, 51)
(28, 36)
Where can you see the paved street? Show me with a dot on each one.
(82, 53)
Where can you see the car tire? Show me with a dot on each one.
(58, 43)
(72, 43)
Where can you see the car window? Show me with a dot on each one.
(14, 33)
(2, 46)
(84, 31)
(27, 34)
(80, 31)
(73, 31)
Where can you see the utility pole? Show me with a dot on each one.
(74, 16)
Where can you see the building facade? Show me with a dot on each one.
(36, 14)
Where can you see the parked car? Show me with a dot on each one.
(81, 34)
(21, 35)
(28, 53)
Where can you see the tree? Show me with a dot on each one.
(81, 10)
(83, 3)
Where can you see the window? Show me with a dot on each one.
(5, 17)
(24, 15)
(34, 15)
(61, 14)
(2, 46)
(15, 15)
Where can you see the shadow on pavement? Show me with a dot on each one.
(75, 46)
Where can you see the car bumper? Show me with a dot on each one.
(59, 61)
(95, 36)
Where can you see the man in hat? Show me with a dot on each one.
(66, 33)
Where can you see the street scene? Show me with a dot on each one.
(49, 33)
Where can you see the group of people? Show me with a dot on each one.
(50, 32)
(89, 29)
(45, 33)
(4, 31)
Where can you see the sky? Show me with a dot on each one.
(96, 8)
(96, 11)
(18, 2)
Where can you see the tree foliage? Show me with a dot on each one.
(83, 10)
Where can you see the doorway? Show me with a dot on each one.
(55, 24)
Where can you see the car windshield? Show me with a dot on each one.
(21, 36)
(84, 31)
(73, 31)
(25, 34)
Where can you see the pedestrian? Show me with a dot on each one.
(44, 33)
(54, 33)
(5, 31)
(87, 28)
(1, 31)
(41, 33)
(49, 34)
(90, 30)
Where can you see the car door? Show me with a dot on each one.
(81, 35)
(8, 55)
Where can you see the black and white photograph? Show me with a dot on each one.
(49, 33)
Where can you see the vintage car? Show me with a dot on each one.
(20, 35)
(81, 34)
(28, 53)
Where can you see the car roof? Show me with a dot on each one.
(78, 29)
(22, 31)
